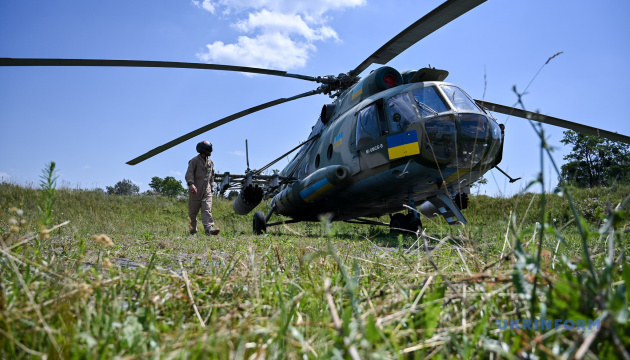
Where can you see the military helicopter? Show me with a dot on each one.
(388, 142)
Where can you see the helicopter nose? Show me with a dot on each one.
(461, 141)
(479, 141)
(440, 136)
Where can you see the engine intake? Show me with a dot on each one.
(249, 197)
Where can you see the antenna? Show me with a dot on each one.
(247, 155)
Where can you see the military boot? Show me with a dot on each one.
(211, 231)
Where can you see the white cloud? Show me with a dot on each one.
(286, 24)
(238, 153)
(311, 8)
(272, 50)
(280, 34)
(86, 167)
(4, 176)
(175, 172)
(206, 5)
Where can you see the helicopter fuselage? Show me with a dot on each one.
(401, 146)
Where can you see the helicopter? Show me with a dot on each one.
(388, 141)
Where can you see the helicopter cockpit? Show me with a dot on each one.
(479, 135)
(458, 134)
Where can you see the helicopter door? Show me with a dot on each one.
(370, 139)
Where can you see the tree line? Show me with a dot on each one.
(169, 186)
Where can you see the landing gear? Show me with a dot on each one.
(461, 201)
(404, 224)
(398, 224)
(415, 223)
(260, 223)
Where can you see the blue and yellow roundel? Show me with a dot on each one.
(403, 144)
(337, 141)
(358, 90)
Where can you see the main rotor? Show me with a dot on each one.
(331, 85)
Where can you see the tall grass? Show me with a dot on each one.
(47, 197)
(122, 279)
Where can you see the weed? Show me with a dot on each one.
(47, 196)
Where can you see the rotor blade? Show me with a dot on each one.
(585, 129)
(247, 154)
(440, 16)
(147, 64)
(215, 124)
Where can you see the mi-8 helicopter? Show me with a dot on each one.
(387, 140)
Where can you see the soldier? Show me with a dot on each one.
(199, 177)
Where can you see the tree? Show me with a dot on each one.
(595, 161)
(123, 187)
(169, 186)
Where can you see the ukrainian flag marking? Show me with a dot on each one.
(403, 144)
(357, 91)
(337, 140)
(314, 191)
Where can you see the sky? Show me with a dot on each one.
(91, 121)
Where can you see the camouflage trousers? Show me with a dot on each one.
(205, 205)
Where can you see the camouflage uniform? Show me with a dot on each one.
(201, 174)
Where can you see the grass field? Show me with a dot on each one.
(122, 279)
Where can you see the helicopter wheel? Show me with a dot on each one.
(260, 224)
(415, 224)
(398, 224)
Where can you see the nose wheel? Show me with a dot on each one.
(404, 224)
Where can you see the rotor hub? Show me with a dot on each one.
(332, 83)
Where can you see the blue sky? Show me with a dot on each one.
(90, 121)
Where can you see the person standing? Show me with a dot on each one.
(200, 177)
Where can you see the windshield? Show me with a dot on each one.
(459, 99)
(406, 108)
(429, 101)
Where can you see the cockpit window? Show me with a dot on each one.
(401, 112)
(406, 108)
(429, 101)
(460, 100)
(367, 125)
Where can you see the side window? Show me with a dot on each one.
(401, 112)
(367, 125)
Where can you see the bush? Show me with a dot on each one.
(123, 187)
(169, 186)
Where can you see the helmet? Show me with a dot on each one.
(203, 147)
